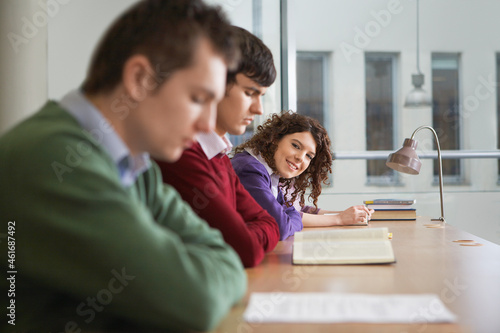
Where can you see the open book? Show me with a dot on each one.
(346, 246)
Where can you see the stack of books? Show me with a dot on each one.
(392, 209)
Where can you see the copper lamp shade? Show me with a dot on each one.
(405, 159)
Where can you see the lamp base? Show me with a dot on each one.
(441, 219)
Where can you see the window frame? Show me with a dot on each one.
(497, 65)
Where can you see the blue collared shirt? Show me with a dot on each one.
(96, 125)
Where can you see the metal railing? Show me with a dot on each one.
(445, 154)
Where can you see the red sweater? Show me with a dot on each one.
(215, 193)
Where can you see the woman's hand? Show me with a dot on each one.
(326, 218)
(355, 214)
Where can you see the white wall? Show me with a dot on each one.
(23, 60)
(72, 38)
(46, 51)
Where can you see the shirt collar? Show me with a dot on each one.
(95, 125)
(274, 177)
(261, 160)
(212, 144)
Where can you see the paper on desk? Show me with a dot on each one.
(337, 308)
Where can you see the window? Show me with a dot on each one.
(311, 85)
(445, 112)
(380, 109)
(251, 15)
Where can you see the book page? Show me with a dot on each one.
(338, 308)
(342, 235)
(327, 252)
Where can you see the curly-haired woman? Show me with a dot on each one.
(291, 152)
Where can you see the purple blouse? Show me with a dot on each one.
(257, 181)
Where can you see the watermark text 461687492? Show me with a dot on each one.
(11, 272)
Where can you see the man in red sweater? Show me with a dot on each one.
(204, 175)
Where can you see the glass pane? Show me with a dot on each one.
(262, 19)
(446, 116)
(498, 108)
(310, 85)
(379, 110)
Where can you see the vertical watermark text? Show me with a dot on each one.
(11, 272)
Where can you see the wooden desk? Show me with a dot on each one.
(467, 279)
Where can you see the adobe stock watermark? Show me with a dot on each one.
(484, 90)
(203, 195)
(30, 26)
(121, 107)
(265, 308)
(103, 297)
(292, 278)
(448, 295)
(372, 29)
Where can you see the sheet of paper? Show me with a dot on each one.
(338, 308)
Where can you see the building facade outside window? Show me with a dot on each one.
(312, 71)
(380, 83)
(312, 87)
(446, 112)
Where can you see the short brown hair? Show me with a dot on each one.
(166, 32)
(265, 142)
(256, 59)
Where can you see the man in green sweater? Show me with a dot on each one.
(93, 239)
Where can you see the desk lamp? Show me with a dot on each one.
(406, 160)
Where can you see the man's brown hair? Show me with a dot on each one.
(166, 32)
(256, 59)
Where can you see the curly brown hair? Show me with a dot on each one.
(265, 141)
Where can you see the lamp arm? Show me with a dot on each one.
(439, 164)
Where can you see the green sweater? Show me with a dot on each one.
(93, 255)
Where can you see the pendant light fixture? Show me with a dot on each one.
(417, 97)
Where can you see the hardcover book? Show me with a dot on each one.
(390, 202)
(394, 215)
(341, 247)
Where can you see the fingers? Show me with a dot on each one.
(363, 211)
(368, 212)
(362, 216)
(360, 213)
